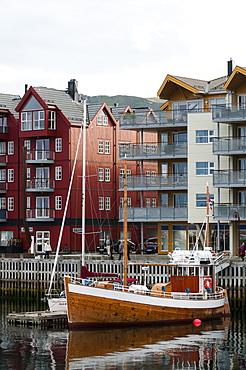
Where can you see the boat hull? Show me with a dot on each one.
(98, 307)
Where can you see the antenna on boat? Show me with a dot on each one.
(125, 272)
(83, 187)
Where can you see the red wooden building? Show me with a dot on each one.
(35, 181)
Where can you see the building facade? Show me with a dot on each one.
(200, 146)
(39, 134)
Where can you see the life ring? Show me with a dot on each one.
(208, 283)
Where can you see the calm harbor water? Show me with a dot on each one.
(214, 345)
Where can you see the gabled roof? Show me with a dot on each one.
(9, 102)
(237, 78)
(53, 98)
(191, 85)
(95, 109)
(117, 111)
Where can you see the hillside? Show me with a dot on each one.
(124, 100)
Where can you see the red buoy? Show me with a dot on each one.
(197, 322)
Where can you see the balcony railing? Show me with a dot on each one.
(40, 156)
(229, 178)
(153, 183)
(40, 214)
(227, 114)
(3, 160)
(40, 185)
(142, 214)
(229, 212)
(153, 151)
(3, 187)
(147, 118)
(3, 215)
(228, 145)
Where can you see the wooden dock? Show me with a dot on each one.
(42, 319)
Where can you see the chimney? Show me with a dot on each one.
(26, 88)
(73, 89)
(229, 67)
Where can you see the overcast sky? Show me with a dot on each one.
(117, 47)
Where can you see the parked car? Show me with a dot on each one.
(151, 245)
(116, 244)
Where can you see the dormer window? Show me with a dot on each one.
(102, 119)
(32, 116)
(52, 120)
(3, 124)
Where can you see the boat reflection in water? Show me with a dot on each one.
(171, 346)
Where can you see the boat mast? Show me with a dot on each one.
(125, 272)
(83, 186)
(207, 215)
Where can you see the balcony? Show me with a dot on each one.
(40, 185)
(147, 118)
(40, 215)
(3, 160)
(3, 187)
(232, 179)
(229, 114)
(228, 212)
(229, 146)
(153, 151)
(157, 214)
(40, 157)
(3, 215)
(155, 183)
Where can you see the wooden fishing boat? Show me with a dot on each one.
(191, 293)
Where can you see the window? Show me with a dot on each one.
(11, 175)
(42, 180)
(52, 120)
(10, 204)
(3, 124)
(58, 145)
(102, 119)
(153, 203)
(101, 203)
(58, 202)
(107, 203)
(107, 147)
(10, 148)
(204, 136)
(58, 173)
(148, 202)
(122, 172)
(2, 203)
(107, 174)
(204, 168)
(2, 175)
(101, 147)
(100, 174)
(27, 145)
(28, 202)
(201, 199)
(28, 173)
(129, 202)
(42, 207)
(38, 120)
(42, 149)
(2, 147)
(26, 121)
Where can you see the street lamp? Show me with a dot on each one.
(236, 215)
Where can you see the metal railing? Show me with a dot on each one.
(155, 182)
(153, 150)
(229, 145)
(229, 113)
(40, 155)
(155, 214)
(40, 184)
(227, 211)
(226, 178)
(40, 213)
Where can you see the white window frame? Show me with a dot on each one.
(28, 202)
(2, 203)
(100, 147)
(10, 148)
(58, 202)
(101, 203)
(107, 174)
(10, 175)
(129, 202)
(10, 204)
(206, 138)
(153, 202)
(105, 120)
(58, 145)
(58, 173)
(207, 170)
(2, 147)
(107, 203)
(100, 174)
(203, 200)
(52, 120)
(147, 202)
(2, 175)
(26, 121)
(107, 147)
(27, 145)
(38, 120)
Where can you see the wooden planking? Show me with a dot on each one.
(38, 318)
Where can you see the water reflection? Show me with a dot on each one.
(169, 347)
